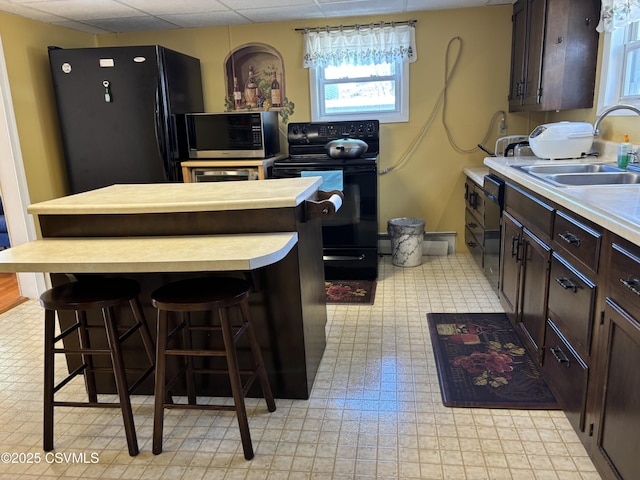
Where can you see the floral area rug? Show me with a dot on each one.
(350, 291)
(483, 364)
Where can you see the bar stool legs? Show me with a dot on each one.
(80, 297)
(207, 294)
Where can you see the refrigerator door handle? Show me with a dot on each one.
(158, 129)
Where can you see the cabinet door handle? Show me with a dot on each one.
(566, 283)
(570, 238)
(515, 247)
(473, 199)
(472, 225)
(632, 284)
(472, 244)
(559, 355)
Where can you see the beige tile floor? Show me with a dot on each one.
(375, 410)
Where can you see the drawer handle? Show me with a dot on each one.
(567, 284)
(632, 284)
(560, 355)
(472, 225)
(570, 238)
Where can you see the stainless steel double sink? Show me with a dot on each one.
(583, 174)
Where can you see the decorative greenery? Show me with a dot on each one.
(286, 110)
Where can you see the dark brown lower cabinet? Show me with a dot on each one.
(533, 298)
(618, 435)
(566, 374)
(510, 266)
(524, 282)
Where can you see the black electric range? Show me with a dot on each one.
(350, 238)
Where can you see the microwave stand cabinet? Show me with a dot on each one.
(262, 167)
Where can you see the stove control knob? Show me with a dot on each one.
(371, 128)
(294, 130)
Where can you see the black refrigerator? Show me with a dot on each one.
(120, 111)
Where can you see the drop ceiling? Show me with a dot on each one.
(117, 16)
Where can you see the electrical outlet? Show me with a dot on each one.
(502, 127)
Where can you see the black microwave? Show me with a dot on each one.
(232, 134)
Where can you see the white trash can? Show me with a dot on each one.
(406, 241)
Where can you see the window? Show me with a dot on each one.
(349, 92)
(620, 77)
(360, 71)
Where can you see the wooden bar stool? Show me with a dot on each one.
(80, 297)
(205, 295)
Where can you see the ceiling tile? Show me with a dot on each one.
(418, 5)
(168, 7)
(281, 13)
(369, 7)
(83, 10)
(195, 20)
(132, 24)
(31, 13)
(260, 4)
(82, 27)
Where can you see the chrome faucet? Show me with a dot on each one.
(596, 126)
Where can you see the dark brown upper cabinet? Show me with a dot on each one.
(553, 54)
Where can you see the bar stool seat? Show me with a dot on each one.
(103, 294)
(207, 294)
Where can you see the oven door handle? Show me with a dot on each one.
(333, 258)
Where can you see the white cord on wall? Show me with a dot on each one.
(442, 99)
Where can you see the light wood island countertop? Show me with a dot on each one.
(149, 254)
(183, 197)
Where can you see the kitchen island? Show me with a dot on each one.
(570, 283)
(158, 233)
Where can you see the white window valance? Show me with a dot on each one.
(361, 45)
(618, 14)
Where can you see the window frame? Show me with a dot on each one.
(613, 71)
(401, 114)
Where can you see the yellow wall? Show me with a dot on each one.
(25, 50)
(429, 185)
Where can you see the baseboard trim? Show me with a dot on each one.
(433, 243)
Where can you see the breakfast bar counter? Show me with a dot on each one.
(159, 233)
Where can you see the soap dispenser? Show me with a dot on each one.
(624, 152)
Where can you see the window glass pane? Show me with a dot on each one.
(360, 96)
(633, 32)
(359, 71)
(350, 92)
(632, 73)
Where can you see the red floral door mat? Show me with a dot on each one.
(350, 291)
(483, 364)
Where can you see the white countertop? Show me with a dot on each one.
(149, 254)
(183, 197)
(614, 207)
(476, 174)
